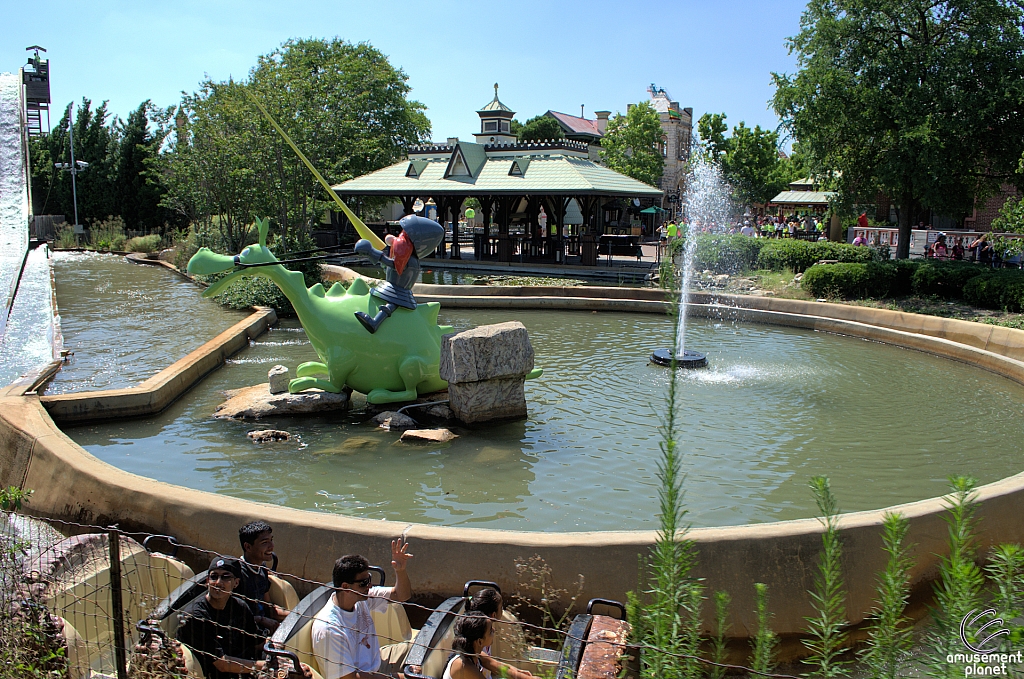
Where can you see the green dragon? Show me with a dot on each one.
(396, 364)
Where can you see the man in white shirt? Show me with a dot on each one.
(344, 638)
(747, 229)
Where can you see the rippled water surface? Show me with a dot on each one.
(125, 322)
(776, 407)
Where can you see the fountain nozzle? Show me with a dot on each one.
(688, 359)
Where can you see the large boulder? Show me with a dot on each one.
(486, 368)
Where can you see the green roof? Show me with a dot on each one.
(552, 174)
(803, 198)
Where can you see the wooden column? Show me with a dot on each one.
(407, 203)
(455, 207)
(483, 244)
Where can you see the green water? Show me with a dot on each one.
(126, 322)
(776, 407)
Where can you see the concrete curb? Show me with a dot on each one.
(72, 485)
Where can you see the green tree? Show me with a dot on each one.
(343, 104)
(95, 143)
(540, 128)
(749, 158)
(916, 98)
(712, 128)
(632, 144)
(139, 190)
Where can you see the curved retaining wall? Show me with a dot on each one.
(71, 484)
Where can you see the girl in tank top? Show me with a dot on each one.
(472, 633)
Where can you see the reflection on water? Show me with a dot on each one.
(776, 407)
(125, 322)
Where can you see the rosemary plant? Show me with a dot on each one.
(959, 588)
(765, 641)
(671, 611)
(1006, 570)
(826, 629)
(719, 651)
(890, 633)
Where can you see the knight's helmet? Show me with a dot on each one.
(425, 234)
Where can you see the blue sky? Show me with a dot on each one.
(545, 55)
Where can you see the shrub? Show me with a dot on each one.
(996, 290)
(727, 253)
(945, 279)
(853, 281)
(800, 255)
(789, 253)
(150, 243)
(107, 234)
(65, 237)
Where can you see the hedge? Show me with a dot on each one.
(945, 279)
(727, 253)
(799, 255)
(996, 289)
(851, 280)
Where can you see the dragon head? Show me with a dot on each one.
(206, 261)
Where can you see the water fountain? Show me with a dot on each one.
(706, 209)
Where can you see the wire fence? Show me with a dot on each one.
(95, 600)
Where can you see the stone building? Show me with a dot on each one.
(677, 132)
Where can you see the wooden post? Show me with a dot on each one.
(117, 604)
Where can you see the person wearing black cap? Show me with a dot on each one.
(219, 628)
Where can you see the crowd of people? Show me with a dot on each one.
(226, 629)
(764, 226)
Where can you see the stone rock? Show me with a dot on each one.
(268, 435)
(501, 399)
(429, 435)
(485, 353)
(279, 379)
(252, 403)
(394, 421)
(440, 412)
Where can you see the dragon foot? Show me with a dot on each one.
(311, 368)
(302, 383)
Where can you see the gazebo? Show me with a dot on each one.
(513, 183)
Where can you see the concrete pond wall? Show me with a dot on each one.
(72, 485)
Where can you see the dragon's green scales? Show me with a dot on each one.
(396, 364)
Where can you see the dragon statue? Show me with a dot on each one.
(397, 363)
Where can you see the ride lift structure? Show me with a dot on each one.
(35, 77)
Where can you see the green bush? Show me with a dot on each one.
(787, 253)
(799, 255)
(945, 279)
(107, 234)
(65, 238)
(996, 289)
(727, 253)
(849, 280)
(150, 243)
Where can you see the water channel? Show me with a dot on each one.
(777, 406)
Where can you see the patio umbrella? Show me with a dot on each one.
(653, 210)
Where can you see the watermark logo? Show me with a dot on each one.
(981, 646)
(983, 642)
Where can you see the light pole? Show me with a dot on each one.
(72, 167)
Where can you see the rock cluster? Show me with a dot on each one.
(268, 435)
(486, 368)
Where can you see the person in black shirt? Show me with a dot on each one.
(219, 629)
(257, 540)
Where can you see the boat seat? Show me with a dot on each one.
(581, 658)
(79, 591)
(78, 652)
(295, 633)
(433, 643)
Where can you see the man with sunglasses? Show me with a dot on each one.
(219, 628)
(344, 637)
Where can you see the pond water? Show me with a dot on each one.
(126, 322)
(776, 407)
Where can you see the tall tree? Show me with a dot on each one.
(749, 158)
(540, 128)
(345, 106)
(632, 144)
(920, 99)
(95, 142)
(138, 190)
